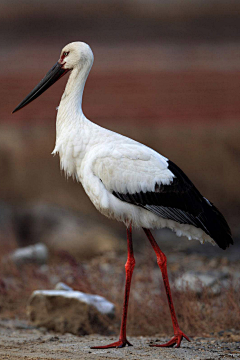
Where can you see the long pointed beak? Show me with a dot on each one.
(54, 74)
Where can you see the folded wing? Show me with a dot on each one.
(146, 179)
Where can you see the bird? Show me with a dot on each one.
(126, 180)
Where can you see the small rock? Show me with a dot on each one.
(36, 253)
(62, 286)
(198, 281)
(70, 311)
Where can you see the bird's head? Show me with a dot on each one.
(76, 55)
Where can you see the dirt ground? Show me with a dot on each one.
(20, 341)
(202, 318)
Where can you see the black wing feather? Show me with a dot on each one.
(182, 202)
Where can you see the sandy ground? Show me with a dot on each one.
(20, 341)
(214, 319)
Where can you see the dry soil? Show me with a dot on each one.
(21, 341)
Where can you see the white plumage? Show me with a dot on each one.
(104, 161)
(108, 162)
(126, 180)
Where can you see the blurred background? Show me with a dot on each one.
(166, 73)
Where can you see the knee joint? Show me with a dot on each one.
(162, 260)
(130, 264)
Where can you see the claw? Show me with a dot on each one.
(176, 340)
(117, 344)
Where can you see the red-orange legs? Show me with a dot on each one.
(162, 263)
(129, 266)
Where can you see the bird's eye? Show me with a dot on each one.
(65, 53)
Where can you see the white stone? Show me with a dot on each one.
(99, 302)
(62, 286)
(198, 281)
(70, 311)
(37, 253)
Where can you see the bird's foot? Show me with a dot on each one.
(176, 340)
(118, 344)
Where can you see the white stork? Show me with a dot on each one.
(126, 180)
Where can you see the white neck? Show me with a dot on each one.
(71, 126)
(71, 101)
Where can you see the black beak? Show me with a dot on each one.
(50, 78)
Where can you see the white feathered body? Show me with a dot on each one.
(104, 161)
(124, 179)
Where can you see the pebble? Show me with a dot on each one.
(37, 253)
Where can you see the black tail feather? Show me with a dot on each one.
(216, 226)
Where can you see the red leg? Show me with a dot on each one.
(162, 263)
(129, 266)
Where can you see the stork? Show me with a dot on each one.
(126, 180)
